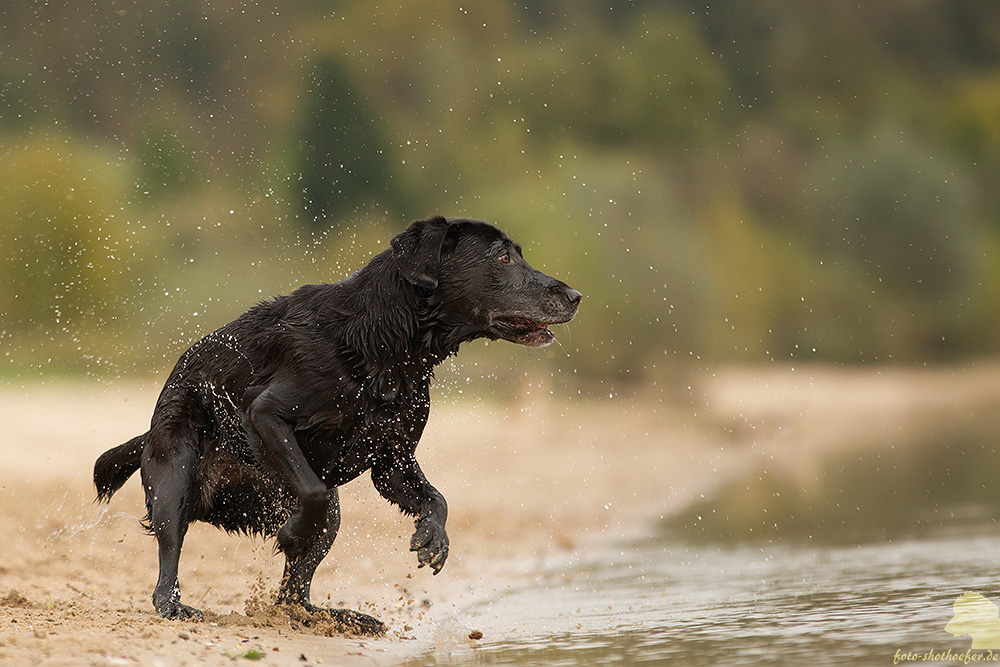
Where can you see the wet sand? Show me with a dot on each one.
(540, 478)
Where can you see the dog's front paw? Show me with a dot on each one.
(351, 621)
(430, 541)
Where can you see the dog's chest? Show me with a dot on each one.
(340, 447)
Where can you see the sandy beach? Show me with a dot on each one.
(540, 478)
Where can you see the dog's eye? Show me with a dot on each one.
(505, 258)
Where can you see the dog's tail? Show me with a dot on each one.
(115, 466)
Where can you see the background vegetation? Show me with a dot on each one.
(723, 181)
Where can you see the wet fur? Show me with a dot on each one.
(260, 421)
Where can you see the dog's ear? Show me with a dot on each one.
(417, 251)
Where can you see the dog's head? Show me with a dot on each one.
(480, 283)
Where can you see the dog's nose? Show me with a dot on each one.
(573, 296)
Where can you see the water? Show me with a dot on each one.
(863, 568)
(796, 604)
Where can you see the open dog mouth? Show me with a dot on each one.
(524, 331)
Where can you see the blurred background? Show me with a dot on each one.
(725, 182)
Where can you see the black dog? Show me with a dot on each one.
(262, 420)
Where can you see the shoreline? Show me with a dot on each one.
(527, 483)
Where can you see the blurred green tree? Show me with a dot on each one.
(343, 152)
(753, 181)
(67, 250)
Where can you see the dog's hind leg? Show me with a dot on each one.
(297, 579)
(169, 466)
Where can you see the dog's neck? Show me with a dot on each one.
(382, 318)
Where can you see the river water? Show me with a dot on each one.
(862, 563)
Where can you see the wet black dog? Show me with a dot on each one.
(262, 420)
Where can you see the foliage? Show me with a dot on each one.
(752, 181)
(68, 249)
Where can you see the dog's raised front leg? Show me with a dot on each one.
(273, 438)
(399, 479)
